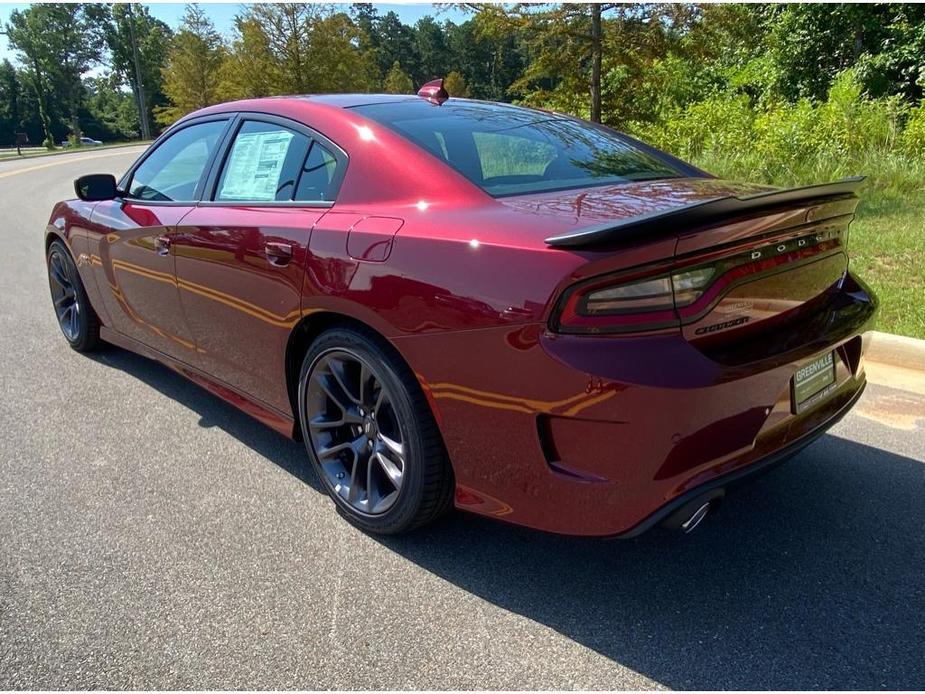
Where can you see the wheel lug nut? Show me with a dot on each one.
(340, 475)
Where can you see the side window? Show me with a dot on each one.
(316, 181)
(263, 164)
(172, 171)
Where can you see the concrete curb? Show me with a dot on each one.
(896, 350)
(896, 362)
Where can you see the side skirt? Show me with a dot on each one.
(281, 422)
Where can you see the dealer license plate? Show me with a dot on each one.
(813, 382)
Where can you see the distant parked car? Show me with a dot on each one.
(84, 142)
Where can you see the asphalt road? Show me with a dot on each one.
(151, 536)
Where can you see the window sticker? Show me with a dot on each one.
(255, 165)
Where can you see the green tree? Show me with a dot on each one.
(297, 48)
(250, 69)
(288, 30)
(9, 103)
(338, 64)
(394, 42)
(431, 46)
(24, 32)
(582, 58)
(58, 43)
(810, 44)
(455, 84)
(191, 75)
(397, 81)
(112, 113)
(899, 68)
(365, 16)
(491, 61)
(595, 49)
(152, 38)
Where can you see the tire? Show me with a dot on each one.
(376, 449)
(78, 321)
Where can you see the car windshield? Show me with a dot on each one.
(507, 150)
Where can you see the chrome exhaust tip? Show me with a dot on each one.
(691, 514)
(696, 518)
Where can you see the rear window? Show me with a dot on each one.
(507, 150)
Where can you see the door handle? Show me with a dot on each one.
(162, 245)
(278, 254)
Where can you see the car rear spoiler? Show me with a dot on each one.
(700, 214)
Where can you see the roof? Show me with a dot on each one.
(351, 100)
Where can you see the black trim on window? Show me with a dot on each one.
(218, 161)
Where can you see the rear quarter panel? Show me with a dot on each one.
(444, 272)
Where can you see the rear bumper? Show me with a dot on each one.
(605, 436)
(725, 482)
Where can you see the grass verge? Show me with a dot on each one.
(887, 239)
(887, 250)
(34, 152)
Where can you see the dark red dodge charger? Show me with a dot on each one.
(453, 301)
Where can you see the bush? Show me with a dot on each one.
(913, 137)
(787, 143)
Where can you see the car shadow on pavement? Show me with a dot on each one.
(214, 412)
(811, 577)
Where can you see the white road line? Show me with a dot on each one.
(64, 160)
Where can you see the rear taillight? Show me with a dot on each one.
(645, 295)
(647, 303)
(659, 293)
(666, 298)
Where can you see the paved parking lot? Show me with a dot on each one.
(151, 536)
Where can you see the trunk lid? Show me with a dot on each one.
(570, 210)
(740, 258)
(768, 269)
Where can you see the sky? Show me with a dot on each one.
(222, 14)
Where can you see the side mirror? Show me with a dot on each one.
(96, 187)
